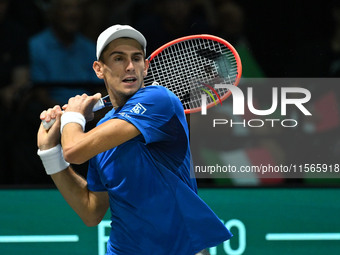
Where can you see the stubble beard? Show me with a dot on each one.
(124, 97)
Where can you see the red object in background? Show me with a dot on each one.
(261, 156)
(327, 111)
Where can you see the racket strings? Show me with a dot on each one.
(192, 67)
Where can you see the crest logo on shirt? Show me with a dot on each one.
(138, 109)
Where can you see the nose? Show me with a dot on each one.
(130, 67)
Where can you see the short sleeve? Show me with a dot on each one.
(151, 110)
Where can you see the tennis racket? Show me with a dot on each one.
(190, 67)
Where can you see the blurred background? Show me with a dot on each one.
(47, 48)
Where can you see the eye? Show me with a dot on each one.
(117, 59)
(137, 58)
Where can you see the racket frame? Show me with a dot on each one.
(207, 37)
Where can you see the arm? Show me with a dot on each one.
(19, 81)
(78, 146)
(90, 206)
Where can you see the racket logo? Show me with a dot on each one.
(211, 95)
(204, 95)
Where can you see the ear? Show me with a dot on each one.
(98, 69)
(146, 67)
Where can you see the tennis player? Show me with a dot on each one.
(139, 158)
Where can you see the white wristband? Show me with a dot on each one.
(72, 117)
(53, 160)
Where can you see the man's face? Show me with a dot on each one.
(124, 68)
(68, 15)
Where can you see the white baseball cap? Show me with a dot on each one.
(118, 31)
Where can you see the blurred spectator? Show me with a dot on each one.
(97, 14)
(14, 77)
(230, 25)
(170, 19)
(317, 52)
(101, 14)
(334, 67)
(13, 57)
(60, 54)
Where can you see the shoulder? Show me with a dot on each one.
(157, 93)
(149, 101)
(161, 96)
(41, 39)
(43, 35)
(156, 99)
(84, 42)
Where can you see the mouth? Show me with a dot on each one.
(130, 80)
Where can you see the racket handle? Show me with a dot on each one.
(47, 125)
(99, 105)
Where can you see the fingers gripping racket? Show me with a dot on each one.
(103, 102)
(190, 67)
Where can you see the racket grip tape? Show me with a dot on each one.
(99, 105)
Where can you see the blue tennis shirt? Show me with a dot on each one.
(153, 200)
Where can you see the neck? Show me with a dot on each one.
(118, 100)
(64, 37)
